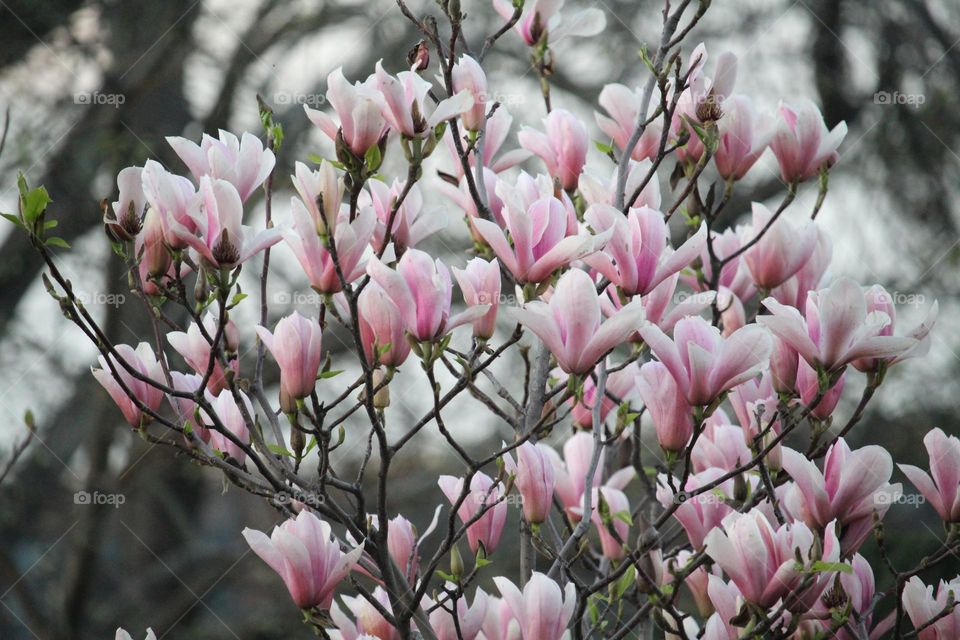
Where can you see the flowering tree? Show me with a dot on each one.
(739, 512)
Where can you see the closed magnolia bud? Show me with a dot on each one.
(381, 395)
(456, 562)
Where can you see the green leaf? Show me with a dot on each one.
(329, 374)
(373, 158)
(310, 445)
(33, 201)
(57, 242)
(624, 516)
(627, 579)
(237, 299)
(12, 218)
(828, 567)
(603, 148)
(445, 576)
(279, 450)
(315, 158)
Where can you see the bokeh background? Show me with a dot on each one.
(93, 86)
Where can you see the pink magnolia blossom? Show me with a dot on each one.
(484, 496)
(699, 514)
(370, 623)
(860, 587)
(808, 386)
(499, 623)
(495, 135)
(295, 345)
(793, 292)
(131, 199)
(621, 384)
(878, 299)
(358, 107)
(185, 407)
(723, 446)
(542, 609)
(763, 561)
(657, 304)
(744, 136)
(143, 361)
(922, 607)
(802, 143)
(155, 259)
(460, 195)
(406, 106)
(421, 288)
(321, 187)
(667, 405)
(563, 148)
(704, 97)
(852, 486)
(230, 415)
(702, 362)
(195, 349)
(173, 199)
(469, 619)
(623, 106)
(468, 75)
(782, 250)
(307, 556)
(542, 18)
(350, 239)
(602, 189)
(783, 366)
(411, 222)
(243, 162)
(382, 327)
(942, 490)
(637, 256)
(734, 274)
(570, 323)
(480, 284)
(223, 241)
(617, 506)
(571, 472)
(535, 480)
(837, 330)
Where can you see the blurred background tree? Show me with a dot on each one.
(171, 556)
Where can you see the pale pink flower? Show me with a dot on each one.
(542, 609)
(480, 284)
(699, 514)
(667, 405)
(406, 106)
(802, 143)
(542, 18)
(483, 497)
(295, 345)
(143, 361)
(744, 136)
(243, 162)
(782, 250)
(922, 607)
(383, 330)
(942, 490)
(622, 105)
(563, 148)
(321, 187)
(358, 107)
(535, 479)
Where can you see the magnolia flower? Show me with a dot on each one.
(703, 99)
(781, 251)
(480, 284)
(460, 195)
(603, 189)
(499, 623)
(859, 588)
(621, 384)
(721, 445)
(358, 107)
(810, 277)
(922, 607)
(483, 497)
(802, 143)
(656, 304)
(295, 345)
(320, 188)
(570, 323)
(411, 223)
(406, 107)
(542, 610)
(124, 217)
(195, 349)
(667, 405)
(571, 472)
(623, 106)
(172, 200)
(231, 417)
(155, 260)
(617, 507)
(807, 384)
(563, 148)
(496, 133)
(468, 622)
(370, 622)
(852, 486)
(223, 241)
(535, 479)
(837, 329)
(636, 258)
(942, 490)
(421, 288)
(244, 163)
(744, 136)
(185, 408)
(734, 274)
(699, 514)
(878, 299)
(307, 556)
(542, 19)
(350, 240)
(382, 327)
(702, 362)
(468, 75)
(128, 392)
(768, 564)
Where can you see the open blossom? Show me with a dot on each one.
(469, 619)
(811, 276)
(623, 106)
(923, 607)
(295, 345)
(124, 216)
(406, 107)
(494, 137)
(542, 610)
(411, 222)
(702, 362)
(734, 274)
(468, 75)
(541, 244)
(563, 148)
(223, 241)
(571, 472)
(483, 497)
(172, 198)
(667, 405)
(704, 97)
(802, 143)
(307, 556)
(358, 107)
(570, 323)
(480, 284)
(878, 299)
(618, 507)
(543, 18)
(837, 329)
(421, 288)
(860, 587)
(763, 561)
(143, 361)
(721, 445)
(370, 623)
(185, 407)
(699, 514)
(230, 416)
(350, 239)
(744, 136)
(460, 195)
(808, 386)
(941, 487)
(243, 162)
(382, 327)
(535, 480)
(193, 346)
(621, 384)
(782, 250)
(320, 188)
(852, 486)
(637, 257)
